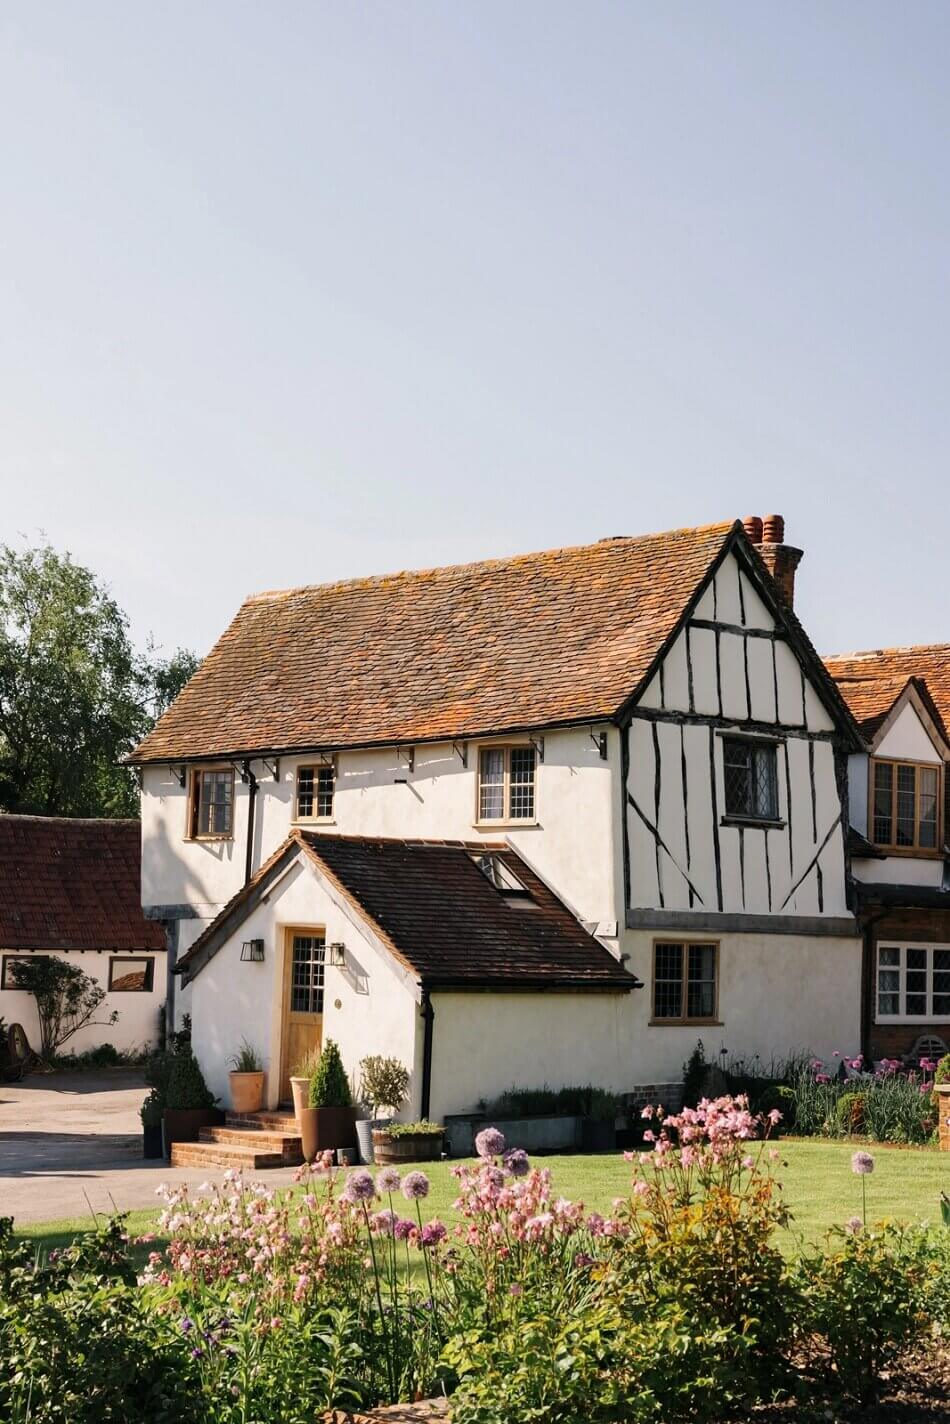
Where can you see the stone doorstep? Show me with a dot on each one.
(288, 1144)
(267, 1121)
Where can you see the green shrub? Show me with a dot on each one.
(864, 1296)
(186, 1085)
(384, 1082)
(329, 1086)
(942, 1073)
(694, 1075)
(850, 1113)
(151, 1110)
(586, 1101)
(415, 1129)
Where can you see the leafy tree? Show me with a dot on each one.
(66, 999)
(75, 695)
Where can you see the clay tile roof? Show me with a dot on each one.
(538, 640)
(72, 884)
(872, 681)
(440, 915)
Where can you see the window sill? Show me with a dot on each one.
(203, 840)
(503, 825)
(913, 852)
(762, 823)
(685, 1023)
(918, 1021)
(313, 821)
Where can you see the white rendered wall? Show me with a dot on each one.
(368, 1006)
(907, 740)
(137, 1026)
(572, 845)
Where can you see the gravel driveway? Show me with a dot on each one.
(71, 1143)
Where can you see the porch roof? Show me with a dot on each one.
(449, 920)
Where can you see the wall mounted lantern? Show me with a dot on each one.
(252, 951)
(337, 955)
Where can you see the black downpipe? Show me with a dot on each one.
(251, 799)
(428, 1020)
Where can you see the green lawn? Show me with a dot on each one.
(819, 1186)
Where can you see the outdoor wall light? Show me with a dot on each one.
(252, 951)
(338, 955)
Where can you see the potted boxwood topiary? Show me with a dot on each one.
(330, 1119)
(408, 1142)
(190, 1104)
(151, 1114)
(384, 1083)
(247, 1080)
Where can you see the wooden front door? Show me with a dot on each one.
(303, 1001)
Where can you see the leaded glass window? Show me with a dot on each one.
(751, 779)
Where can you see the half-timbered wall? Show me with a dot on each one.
(732, 669)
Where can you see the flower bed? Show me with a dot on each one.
(280, 1305)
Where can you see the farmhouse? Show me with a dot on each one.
(71, 888)
(551, 818)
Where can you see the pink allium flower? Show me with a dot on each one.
(853, 1225)
(388, 1180)
(416, 1185)
(432, 1233)
(490, 1142)
(403, 1229)
(360, 1187)
(515, 1162)
(384, 1222)
(862, 1163)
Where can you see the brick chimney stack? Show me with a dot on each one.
(781, 560)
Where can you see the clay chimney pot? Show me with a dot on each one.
(753, 528)
(773, 529)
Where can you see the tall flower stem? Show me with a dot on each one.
(379, 1302)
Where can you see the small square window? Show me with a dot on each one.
(684, 982)
(316, 786)
(131, 976)
(506, 783)
(751, 779)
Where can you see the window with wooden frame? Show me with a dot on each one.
(506, 783)
(211, 813)
(314, 796)
(131, 976)
(750, 779)
(685, 981)
(913, 982)
(7, 977)
(906, 800)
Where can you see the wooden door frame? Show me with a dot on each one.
(288, 932)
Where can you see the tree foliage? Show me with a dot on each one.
(66, 999)
(75, 695)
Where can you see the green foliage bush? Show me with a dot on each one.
(414, 1129)
(329, 1086)
(186, 1085)
(587, 1101)
(384, 1082)
(850, 1113)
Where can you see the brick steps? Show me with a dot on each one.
(252, 1142)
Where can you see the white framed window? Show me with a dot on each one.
(316, 786)
(506, 784)
(913, 982)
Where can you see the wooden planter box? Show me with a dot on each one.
(942, 1095)
(409, 1147)
(326, 1129)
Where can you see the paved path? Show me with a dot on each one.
(71, 1142)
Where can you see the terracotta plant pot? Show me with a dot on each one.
(247, 1092)
(184, 1124)
(326, 1129)
(300, 1090)
(411, 1147)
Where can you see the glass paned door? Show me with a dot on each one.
(304, 971)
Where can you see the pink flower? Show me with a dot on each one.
(862, 1163)
(853, 1225)
(416, 1185)
(490, 1142)
(388, 1180)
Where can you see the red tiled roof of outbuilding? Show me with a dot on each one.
(72, 884)
(871, 681)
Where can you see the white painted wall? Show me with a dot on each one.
(571, 845)
(907, 740)
(368, 1007)
(137, 1026)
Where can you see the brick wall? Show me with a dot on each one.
(890, 1040)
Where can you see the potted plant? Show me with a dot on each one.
(190, 1104)
(246, 1080)
(330, 1119)
(400, 1142)
(151, 1114)
(384, 1083)
(302, 1072)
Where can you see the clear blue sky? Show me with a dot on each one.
(295, 292)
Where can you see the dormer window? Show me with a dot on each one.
(506, 784)
(905, 806)
(315, 789)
